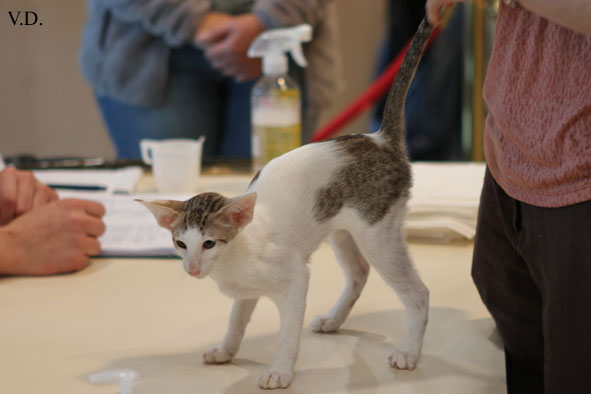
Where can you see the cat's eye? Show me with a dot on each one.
(181, 244)
(208, 244)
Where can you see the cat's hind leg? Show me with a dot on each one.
(224, 352)
(356, 271)
(386, 250)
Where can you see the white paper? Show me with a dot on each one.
(131, 229)
(121, 180)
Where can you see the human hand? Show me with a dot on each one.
(433, 8)
(228, 45)
(20, 192)
(53, 238)
(211, 21)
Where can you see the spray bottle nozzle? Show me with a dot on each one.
(272, 45)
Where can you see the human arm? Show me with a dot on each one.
(283, 13)
(573, 14)
(54, 238)
(228, 42)
(174, 21)
(226, 46)
(20, 192)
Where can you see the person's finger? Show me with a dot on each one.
(92, 208)
(43, 195)
(95, 226)
(221, 63)
(8, 187)
(227, 63)
(217, 52)
(25, 192)
(433, 9)
(214, 34)
(77, 264)
(53, 193)
(92, 246)
(230, 71)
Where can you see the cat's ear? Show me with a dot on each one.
(166, 212)
(238, 213)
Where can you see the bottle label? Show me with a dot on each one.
(270, 142)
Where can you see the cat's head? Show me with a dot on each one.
(203, 226)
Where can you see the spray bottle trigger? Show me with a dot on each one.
(298, 56)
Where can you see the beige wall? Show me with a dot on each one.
(47, 109)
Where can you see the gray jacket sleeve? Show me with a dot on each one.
(175, 21)
(282, 13)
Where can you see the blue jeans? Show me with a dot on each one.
(199, 101)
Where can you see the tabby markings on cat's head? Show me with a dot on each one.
(200, 209)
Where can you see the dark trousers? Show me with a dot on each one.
(532, 267)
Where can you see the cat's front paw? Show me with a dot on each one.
(403, 360)
(323, 323)
(275, 380)
(217, 355)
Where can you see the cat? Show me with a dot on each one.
(352, 190)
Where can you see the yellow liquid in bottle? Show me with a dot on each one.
(276, 125)
(274, 141)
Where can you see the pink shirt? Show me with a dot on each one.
(537, 138)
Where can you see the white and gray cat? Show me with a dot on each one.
(352, 190)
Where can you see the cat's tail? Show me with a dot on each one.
(393, 119)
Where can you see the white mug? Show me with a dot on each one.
(176, 163)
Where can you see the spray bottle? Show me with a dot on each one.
(275, 99)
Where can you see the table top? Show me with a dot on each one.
(149, 316)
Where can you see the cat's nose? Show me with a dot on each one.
(195, 272)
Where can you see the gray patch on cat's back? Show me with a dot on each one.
(371, 181)
(200, 208)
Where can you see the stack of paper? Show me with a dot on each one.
(131, 229)
(444, 202)
(122, 180)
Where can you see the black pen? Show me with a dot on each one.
(78, 187)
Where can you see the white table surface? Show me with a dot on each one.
(149, 316)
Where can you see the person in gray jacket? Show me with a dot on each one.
(178, 68)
